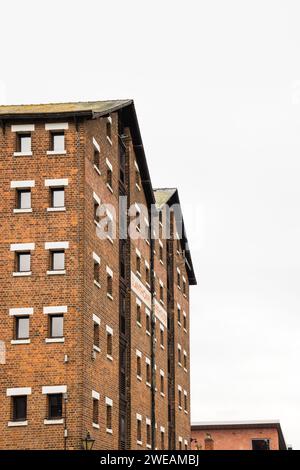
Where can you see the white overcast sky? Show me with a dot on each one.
(217, 90)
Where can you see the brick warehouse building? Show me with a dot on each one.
(94, 331)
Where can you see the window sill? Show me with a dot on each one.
(180, 408)
(148, 285)
(22, 154)
(109, 140)
(137, 186)
(109, 296)
(162, 347)
(162, 302)
(53, 421)
(96, 348)
(109, 188)
(22, 211)
(20, 341)
(139, 324)
(96, 426)
(186, 412)
(97, 284)
(147, 241)
(56, 152)
(139, 378)
(184, 329)
(139, 443)
(148, 446)
(148, 384)
(178, 323)
(162, 395)
(56, 273)
(185, 369)
(109, 431)
(161, 261)
(97, 169)
(139, 274)
(14, 424)
(179, 364)
(110, 358)
(22, 274)
(148, 333)
(54, 340)
(56, 209)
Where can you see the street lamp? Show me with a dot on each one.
(88, 442)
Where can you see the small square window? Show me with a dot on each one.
(55, 406)
(23, 199)
(57, 260)
(109, 285)
(58, 141)
(56, 326)
(24, 143)
(23, 262)
(22, 327)
(57, 197)
(19, 408)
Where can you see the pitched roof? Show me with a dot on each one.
(170, 196)
(77, 108)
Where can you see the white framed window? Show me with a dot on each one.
(23, 139)
(57, 138)
(95, 398)
(22, 258)
(96, 260)
(139, 429)
(109, 415)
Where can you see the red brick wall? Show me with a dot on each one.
(235, 439)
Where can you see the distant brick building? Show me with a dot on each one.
(247, 435)
(94, 331)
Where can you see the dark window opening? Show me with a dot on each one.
(19, 408)
(55, 407)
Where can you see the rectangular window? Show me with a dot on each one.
(139, 430)
(161, 252)
(185, 361)
(184, 322)
(56, 326)
(96, 212)
(97, 158)
(55, 408)
(108, 416)
(109, 343)
(162, 440)
(138, 314)
(22, 327)
(96, 335)
(109, 280)
(162, 384)
(161, 292)
(178, 314)
(23, 262)
(109, 128)
(24, 142)
(185, 402)
(162, 337)
(148, 322)
(19, 408)
(260, 444)
(58, 141)
(57, 260)
(184, 287)
(138, 264)
(96, 272)
(148, 275)
(148, 434)
(179, 398)
(137, 178)
(179, 356)
(57, 197)
(109, 177)
(178, 278)
(95, 411)
(138, 366)
(148, 373)
(23, 199)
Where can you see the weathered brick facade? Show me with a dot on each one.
(85, 374)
